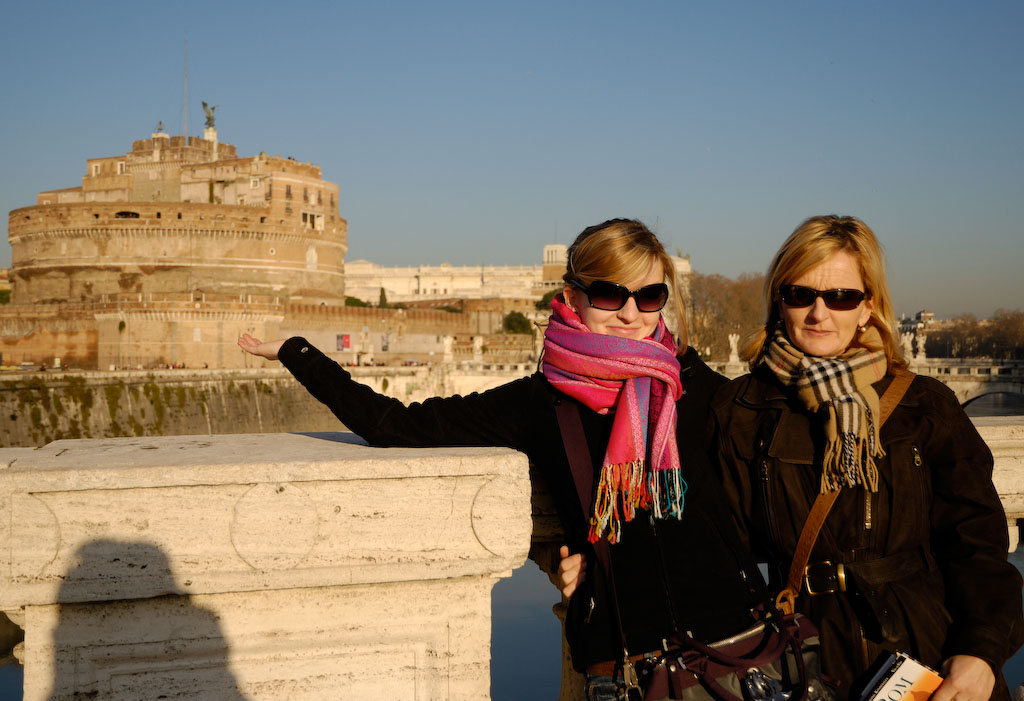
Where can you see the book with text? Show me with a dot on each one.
(902, 678)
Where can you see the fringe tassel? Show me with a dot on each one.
(622, 489)
(850, 461)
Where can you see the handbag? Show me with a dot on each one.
(777, 658)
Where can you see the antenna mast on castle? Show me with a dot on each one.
(184, 129)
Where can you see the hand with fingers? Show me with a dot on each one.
(572, 571)
(967, 678)
(263, 349)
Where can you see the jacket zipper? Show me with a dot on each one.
(867, 509)
(766, 501)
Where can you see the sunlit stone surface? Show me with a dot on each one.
(257, 566)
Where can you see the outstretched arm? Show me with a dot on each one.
(263, 349)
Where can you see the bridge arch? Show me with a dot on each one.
(990, 389)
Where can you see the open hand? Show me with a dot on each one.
(572, 571)
(264, 349)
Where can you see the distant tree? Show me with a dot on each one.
(1007, 330)
(718, 307)
(355, 302)
(383, 303)
(1001, 337)
(544, 302)
(5, 296)
(516, 322)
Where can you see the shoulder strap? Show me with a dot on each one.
(582, 466)
(580, 462)
(786, 600)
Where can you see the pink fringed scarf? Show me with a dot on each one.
(639, 380)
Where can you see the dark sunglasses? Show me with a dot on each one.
(611, 297)
(839, 299)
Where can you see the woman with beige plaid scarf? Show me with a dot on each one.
(912, 556)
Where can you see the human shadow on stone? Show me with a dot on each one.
(126, 631)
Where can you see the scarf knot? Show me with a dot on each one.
(840, 389)
(639, 381)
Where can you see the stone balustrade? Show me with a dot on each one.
(269, 566)
(258, 566)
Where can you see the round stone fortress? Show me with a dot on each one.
(165, 254)
(172, 217)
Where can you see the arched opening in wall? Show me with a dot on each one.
(179, 215)
(158, 215)
(996, 404)
(127, 215)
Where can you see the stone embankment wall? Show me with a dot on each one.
(37, 408)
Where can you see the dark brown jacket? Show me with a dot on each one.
(655, 563)
(944, 586)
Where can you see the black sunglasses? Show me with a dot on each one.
(611, 297)
(839, 299)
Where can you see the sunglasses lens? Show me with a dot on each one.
(607, 295)
(652, 298)
(796, 296)
(842, 300)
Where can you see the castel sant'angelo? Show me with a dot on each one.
(167, 253)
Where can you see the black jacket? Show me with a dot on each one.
(946, 587)
(688, 571)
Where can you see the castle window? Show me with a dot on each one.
(313, 221)
(288, 191)
(254, 183)
(332, 201)
(179, 215)
(305, 195)
(263, 220)
(319, 197)
(127, 215)
(120, 167)
(158, 215)
(95, 168)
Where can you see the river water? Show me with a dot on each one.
(526, 639)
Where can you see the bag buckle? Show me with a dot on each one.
(824, 578)
(760, 687)
(629, 676)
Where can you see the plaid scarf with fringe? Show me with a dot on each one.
(843, 386)
(639, 381)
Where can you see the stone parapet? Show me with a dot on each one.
(1005, 438)
(281, 565)
(257, 566)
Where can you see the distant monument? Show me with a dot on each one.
(199, 245)
(907, 341)
(209, 114)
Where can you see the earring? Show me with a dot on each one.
(863, 329)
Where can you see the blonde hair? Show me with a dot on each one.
(811, 244)
(619, 250)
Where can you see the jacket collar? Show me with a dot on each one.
(764, 391)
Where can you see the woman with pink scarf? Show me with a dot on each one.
(639, 402)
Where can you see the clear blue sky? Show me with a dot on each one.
(477, 132)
